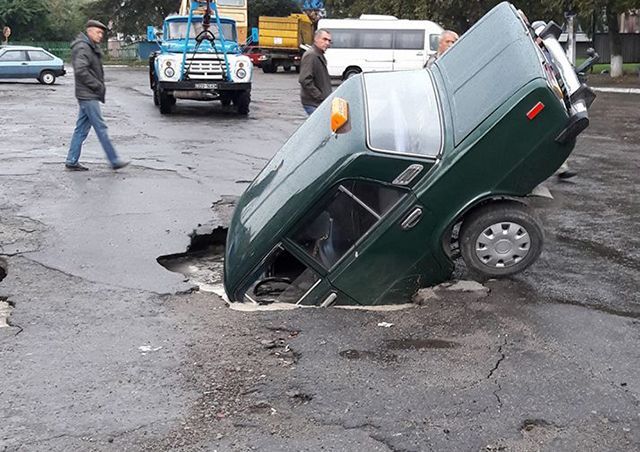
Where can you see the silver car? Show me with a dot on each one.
(30, 62)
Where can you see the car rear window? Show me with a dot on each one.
(403, 113)
(38, 55)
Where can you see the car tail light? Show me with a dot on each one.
(537, 108)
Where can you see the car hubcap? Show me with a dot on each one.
(47, 78)
(503, 245)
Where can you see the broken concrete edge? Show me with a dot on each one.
(420, 298)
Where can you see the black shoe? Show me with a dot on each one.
(567, 174)
(76, 167)
(119, 165)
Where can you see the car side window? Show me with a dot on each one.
(409, 40)
(13, 55)
(38, 55)
(352, 209)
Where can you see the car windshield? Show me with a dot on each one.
(403, 113)
(178, 30)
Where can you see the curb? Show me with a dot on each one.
(617, 90)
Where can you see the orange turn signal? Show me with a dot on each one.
(339, 113)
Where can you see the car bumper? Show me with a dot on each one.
(59, 72)
(190, 85)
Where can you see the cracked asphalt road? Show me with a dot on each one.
(106, 350)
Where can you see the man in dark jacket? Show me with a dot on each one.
(315, 83)
(86, 57)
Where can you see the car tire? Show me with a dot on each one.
(47, 78)
(242, 101)
(500, 240)
(166, 102)
(350, 72)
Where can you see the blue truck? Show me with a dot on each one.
(199, 59)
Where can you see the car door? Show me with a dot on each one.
(14, 64)
(408, 50)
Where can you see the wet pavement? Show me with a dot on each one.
(106, 349)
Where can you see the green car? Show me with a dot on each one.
(395, 173)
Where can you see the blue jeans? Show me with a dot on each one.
(90, 116)
(309, 109)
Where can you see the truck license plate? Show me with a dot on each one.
(206, 85)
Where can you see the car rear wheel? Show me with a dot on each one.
(47, 78)
(500, 239)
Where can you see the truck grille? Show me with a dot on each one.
(205, 67)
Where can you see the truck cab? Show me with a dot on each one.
(200, 59)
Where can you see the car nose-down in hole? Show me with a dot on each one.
(397, 173)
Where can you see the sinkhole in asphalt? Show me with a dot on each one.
(5, 306)
(203, 262)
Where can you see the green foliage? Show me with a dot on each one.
(23, 16)
(42, 20)
(277, 8)
(131, 17)
(458, 15)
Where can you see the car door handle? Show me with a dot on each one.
(412, 219)
(23, 64)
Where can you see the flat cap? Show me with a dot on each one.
(97, 24)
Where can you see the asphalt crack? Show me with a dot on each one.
(494, 370)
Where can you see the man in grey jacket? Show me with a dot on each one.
(315, 83)
(86, 57)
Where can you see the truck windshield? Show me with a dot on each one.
(403, 113)
(178, 30)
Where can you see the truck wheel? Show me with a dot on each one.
(500, 239)
(242, 102)
(47, 78)
(166, 101)
(156, 97)
(269, 68)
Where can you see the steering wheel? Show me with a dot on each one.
(270, 291)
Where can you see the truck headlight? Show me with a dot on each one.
(169, 72)
(241, 73)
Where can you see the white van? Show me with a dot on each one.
(376, 43)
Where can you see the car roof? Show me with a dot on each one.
(11, 47)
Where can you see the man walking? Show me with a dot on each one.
(315, 83)
(447, 39)
(86, 57)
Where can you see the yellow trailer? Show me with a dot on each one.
(280, 39)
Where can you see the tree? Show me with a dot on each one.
(612, 10)
(277, 8)
(25, 17)
(131, 17)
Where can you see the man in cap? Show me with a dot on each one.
(86, 57)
